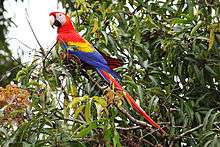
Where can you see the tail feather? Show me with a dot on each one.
(130, 100)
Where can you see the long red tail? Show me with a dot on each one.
(130, 100)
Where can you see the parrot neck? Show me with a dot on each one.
(66, 28)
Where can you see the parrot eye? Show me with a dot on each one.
(61, 18)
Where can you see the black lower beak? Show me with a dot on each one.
(56, 23)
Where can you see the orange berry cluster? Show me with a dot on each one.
(14, 101)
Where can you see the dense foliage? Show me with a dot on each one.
(172, 61)
(8, 66)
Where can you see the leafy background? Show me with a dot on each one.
(171, 54)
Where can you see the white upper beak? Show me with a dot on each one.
(52, 20)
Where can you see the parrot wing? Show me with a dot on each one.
(94, 59)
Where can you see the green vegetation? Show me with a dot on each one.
(8, 66)
(171, 51)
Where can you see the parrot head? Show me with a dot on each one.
(61, 21)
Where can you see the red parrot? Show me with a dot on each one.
(77, 46)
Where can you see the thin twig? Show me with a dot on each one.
(19, 63)
(164, 123)
(73, 120)
(144, 140)
(138, 122)
(137, 9)
(129, 128)
(184, 134)
(189, 131)
(45, 57)
(96, 83)
(20, 42)
(5, 76)
(87, 139)
(29, 23)
(50, 50)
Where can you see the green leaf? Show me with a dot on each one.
(137, 36)
(180, 68)
(153, 80)
(100, 100)
(106, 37)
(116, 139)
(172, 129)
(189, 111)
(198, 25)
(204, 136)
(22, 144)
(140, 92)
(3, 131)
(197, 71)
(151, 21)
(95, 25)
(88, 111)
(108, 133)
(206, 119)
(112, 42)
(216, 141)
(78, 110)
(207, 144)
(212, 119)
(85, 131)
(209, 69)
(72, 144)
(198, 117)
(211, 38)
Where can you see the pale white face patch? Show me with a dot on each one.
(61, 18)
(52, 20)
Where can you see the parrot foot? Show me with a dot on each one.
(113, 97)
(109, 94)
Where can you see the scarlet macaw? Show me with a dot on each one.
(77, 46)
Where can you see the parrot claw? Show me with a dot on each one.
(110, 94)
(113, 97)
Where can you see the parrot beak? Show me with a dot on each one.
(52, 20)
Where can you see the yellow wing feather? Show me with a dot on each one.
(82, 46)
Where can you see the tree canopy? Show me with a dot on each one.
(171, 66)
(8, 66)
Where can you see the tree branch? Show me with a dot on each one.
(49, 51)
(32, 30)
(129, 128)
(65, 119)
(189, 131)
(134, 120)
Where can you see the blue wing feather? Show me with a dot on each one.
(95, 59)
